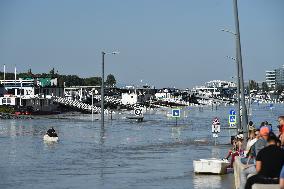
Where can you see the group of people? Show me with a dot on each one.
(262, 155)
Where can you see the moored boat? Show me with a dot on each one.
(50, 139)
(211, 166)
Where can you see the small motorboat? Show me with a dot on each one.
(211, 166)
(48, 138)
(50, 135)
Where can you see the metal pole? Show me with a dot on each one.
(102, 90)
(239, 61)
(176, 121)
(92, 105)
(4, 74)
(15, 74)
(239, 123)
(21, 92)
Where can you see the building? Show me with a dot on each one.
(279, 76)
(270, 78)
(36, 93)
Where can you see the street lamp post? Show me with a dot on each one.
(238, 94)
(92, 105)
(102, 86)
(240, 65)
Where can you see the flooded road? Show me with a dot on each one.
(124, 154)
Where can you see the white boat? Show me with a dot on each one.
(50, 139)
(211, 166)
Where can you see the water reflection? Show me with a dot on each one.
(176, 133)
(206, 181)
(216, 152)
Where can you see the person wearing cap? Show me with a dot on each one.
(269, 162)
(262, 141)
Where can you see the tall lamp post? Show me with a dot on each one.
(240, 64)
(238, 94)
(102, 86)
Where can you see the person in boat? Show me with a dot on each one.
(269, 162)
(51, 132)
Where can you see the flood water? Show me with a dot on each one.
(124, 154)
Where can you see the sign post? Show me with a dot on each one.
(176, 114)
(232, 118)
(215, 128)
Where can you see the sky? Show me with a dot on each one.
(163, 43)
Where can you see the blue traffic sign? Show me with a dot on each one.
(175, 112)
(232, 119)
(232, 112)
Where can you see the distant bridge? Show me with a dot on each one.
(77, 104)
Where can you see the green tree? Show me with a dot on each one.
(265, 87)
(93, 81)
(110, 81)
(72, 80)
(52, 71)
(253, 85)
(279, 89)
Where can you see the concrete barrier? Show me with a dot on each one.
(265, 186)
(239, 167)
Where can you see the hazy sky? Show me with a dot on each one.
(165, 43)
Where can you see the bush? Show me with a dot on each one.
(7, 109)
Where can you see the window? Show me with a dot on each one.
(8, 100)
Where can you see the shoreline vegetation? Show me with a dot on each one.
(69, 80)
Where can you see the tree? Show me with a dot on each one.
(110, 81)
(279, 89)
(253, 85)
(265, 87)
(52, 71)
(93, 81)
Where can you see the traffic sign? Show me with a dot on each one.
(216, 128)
(215, 121)
(176, 113)
(138, 112)
(215, 135)
(232, 112)
(232, 119)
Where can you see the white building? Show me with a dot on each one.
(270, 78)
(129, 98)
(8, 100)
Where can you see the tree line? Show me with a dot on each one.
(69, 80)
(253, 85)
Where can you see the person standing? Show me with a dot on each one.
(261, 136)
(269, 162)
